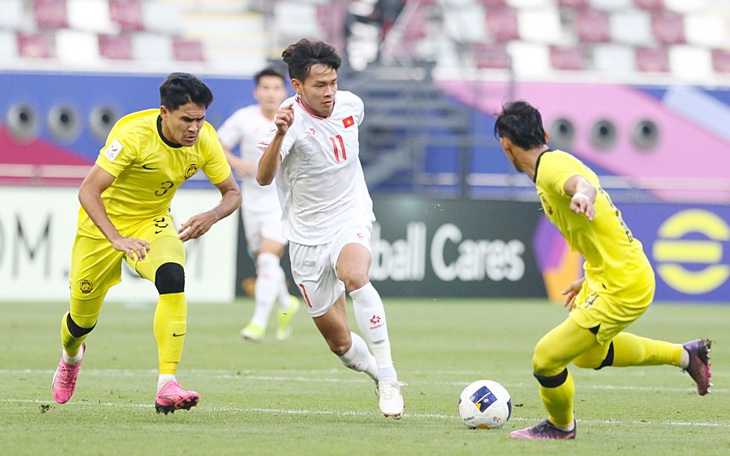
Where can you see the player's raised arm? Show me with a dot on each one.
(94, 184)
(199, 224)
(270, 160)
(583, 196)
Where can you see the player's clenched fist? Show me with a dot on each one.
(284, 118)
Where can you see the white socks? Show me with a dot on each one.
(164, 378)
(359, 359)
(370, 317)
(269, 277)
(73, 360)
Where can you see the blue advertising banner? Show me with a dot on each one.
(688, 246)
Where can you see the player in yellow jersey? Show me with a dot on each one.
(124, 216)
(617, 287)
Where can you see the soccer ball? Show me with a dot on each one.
(485, 404)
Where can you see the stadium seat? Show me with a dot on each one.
(614, 59)
(51, 14)
(8, 45)
(539, 25)
(652, 60)
(668, 27)
(491, 3)
(502, 24)
(127, 14)
(115, 47)
(465, 24)
(611, 5)
(491, 56)
(573, 4)
(13, 15)
(569, 58)
(721, 61)
(529, 59)
(188, 50)
(161, 17)
(77, 47)
(294, 20)
(36, 45)
(153, 47)
(331, 20)
(631, 27)
(684, 6)
(592, 26)
(530, 4)
(708, 30)
(90, 15)
(690, 63)
(651, 5)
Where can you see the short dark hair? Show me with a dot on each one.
(268, 71)
(521, 123)
(302, 55)
(183, 88)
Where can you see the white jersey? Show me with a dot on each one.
(320, 182)
(245, 128)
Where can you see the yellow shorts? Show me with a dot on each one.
(610, 313)
(96, 266)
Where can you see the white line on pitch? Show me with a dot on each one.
(353, 413)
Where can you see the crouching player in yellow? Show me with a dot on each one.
(124, 215)
(617, 287)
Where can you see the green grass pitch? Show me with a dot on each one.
(294, 397)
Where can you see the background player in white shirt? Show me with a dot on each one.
(313, 152)
(260, 207)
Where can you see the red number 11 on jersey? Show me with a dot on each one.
(337, 150)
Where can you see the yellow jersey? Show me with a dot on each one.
(615, 262)
(149, 169)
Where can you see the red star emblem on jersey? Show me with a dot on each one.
(348, 122)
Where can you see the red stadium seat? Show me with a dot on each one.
(652, 60)
(567, 58)
(35, 46)
(492, 3)
(115, 47)
(50, 13)
(491, 56)
(593, 26)
(668, 27)
(502, 24)
(575, 4)
(188, 50)
(653, 5)
(127, 14)
(721, 61)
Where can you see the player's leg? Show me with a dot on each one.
(627, 349)
(551, 357)
(163, 266)
(95, 266)
(352, 263)
(270, 278)
(324, 296)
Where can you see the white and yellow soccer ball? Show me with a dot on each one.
(485, 404)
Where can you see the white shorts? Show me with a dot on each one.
(258, 225)
(314, 268)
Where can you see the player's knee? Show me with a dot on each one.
(552, 381)
(76, 330)
(597, 360)
(339, 346)
(170, 278)
(354, 280)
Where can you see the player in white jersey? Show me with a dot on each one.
(260, 207)
(313, 152)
